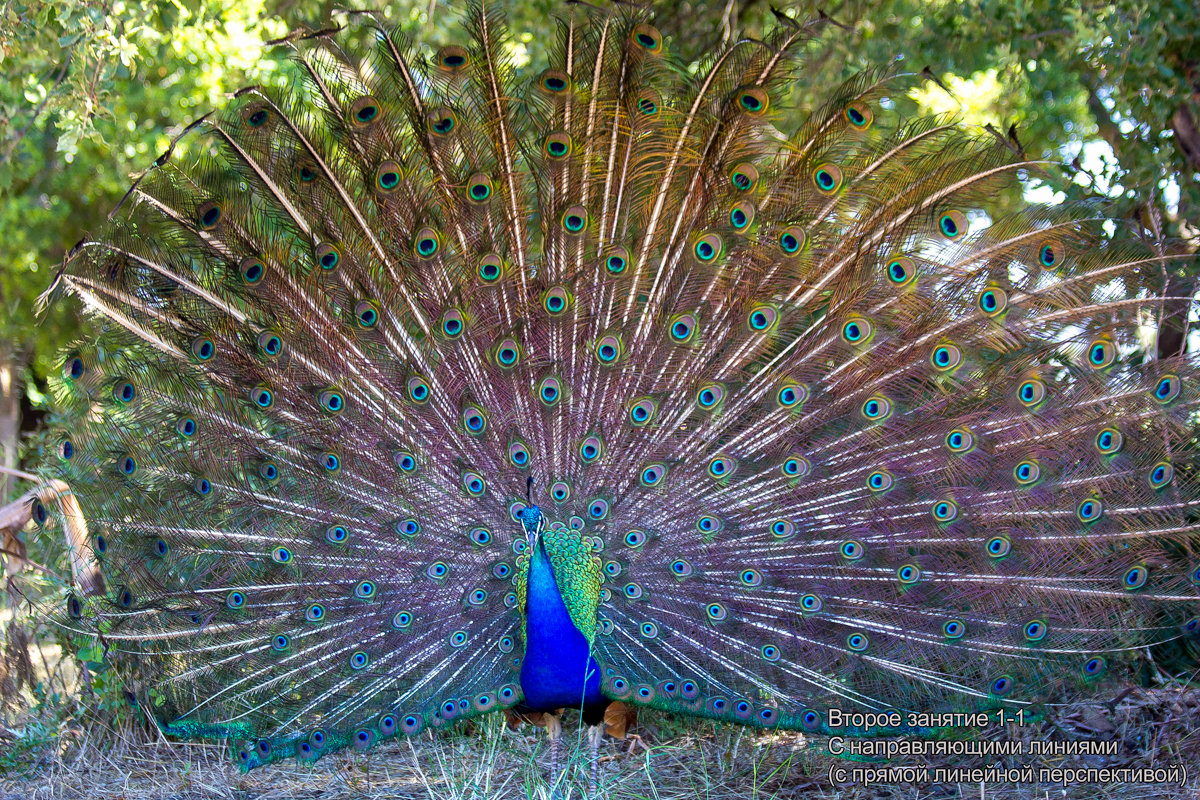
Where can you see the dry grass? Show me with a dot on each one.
(661, 760)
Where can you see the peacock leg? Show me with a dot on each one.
(595, 734)
(554, 729)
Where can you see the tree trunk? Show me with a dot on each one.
(10, 415)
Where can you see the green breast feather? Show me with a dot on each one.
(577, 573)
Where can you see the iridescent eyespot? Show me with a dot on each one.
(632, 591)
(791, 395)
(858, 642)
(480, 536)
(1109, 441)
(744, 177)
(857, 331)
(123, 391)
(992, 301)
(452, 58)
(1048, 255)
(474, 421)
(710, 396)
(490, 268)
(945, 511)
(202, 487)
(262, 397)
(1094, 666)
(418, 389)
(791, 240)
(908, 574)
(827, 178)
(653, 474)
(649, 630)
(1035, 630)
(364, 111)
(859, 115)
(1101, 353)
(1031, 392)
(408, 528)
(708, 248)
(186, 427)
(642, 411)
(426, 243)
(476, 597)
(762, 318)
(954, 629)
(635, 538)
(959, 440)
(609, 349)
(203, 348)
(66, 448)
(877, 408)
(598, 509)
(681, 568)
(852, 550)
(574, 219)
(880, 480)
(402, 620)
(235, 599)
(387, 177)
(946, 357)
(770, 653)
(479, 188)
(591, 449)
(550, 391)
(1135, 577)
(256, 116)
(646, 37)
(556, 300)
(752, 100)
(795, 466)
(721, 466)
(716, 612)
(328, 257)
(252, 271)
(208, 215)
(1161, 474)
(473, 483)
(280, 643)
(648, 103)
(560, 491)
(453, 324)
(998, 546)
(307, 171)
(1089, 510)
(682, 328)
(365, 590)
(751, 577)
(811, 604)
(269, 344)
(709, 524)
(901, 271)
(437, 570)
(783, 529)
(441, 121)
(73, 369)
(359, 660)
(1167, 388)
(518, 454)
(332, 401)
(557, 145)
(554, 82)
(406, 461)
(616, 260)
(953, 224)
(127, 465)
(1027, 472)
(336, 534)
(330, 461)
(741, 217)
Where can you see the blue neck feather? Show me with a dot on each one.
(558, 670)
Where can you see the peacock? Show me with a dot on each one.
(418, 392)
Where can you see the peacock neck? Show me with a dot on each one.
(558, 670)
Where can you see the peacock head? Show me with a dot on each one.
(534, 522)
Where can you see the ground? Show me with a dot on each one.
(660, 759)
